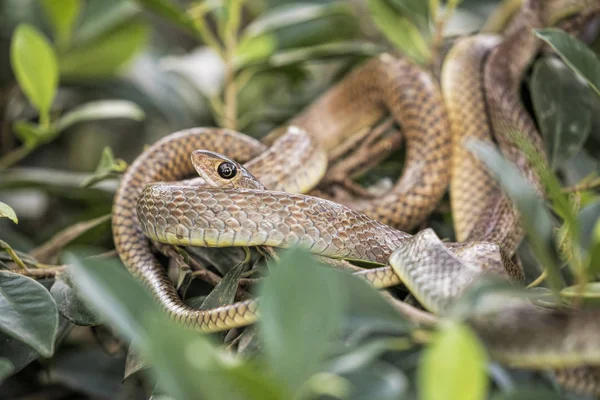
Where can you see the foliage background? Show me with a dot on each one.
(167, 70)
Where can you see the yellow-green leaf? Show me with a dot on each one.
(34, 64)
(7, 212)
(62, 14)
(105, 56)
(453, 367)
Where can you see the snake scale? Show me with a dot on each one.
(483, 72)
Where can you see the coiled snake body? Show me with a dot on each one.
(224, 216)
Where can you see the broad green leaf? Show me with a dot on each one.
(6, 368)
(224, 292)
(379, 380)
(101, 109)
(594, 250)
(62, 15)
(562, 109)
(399, 30)
(7, 212)
(534, 215)
(576, 54)
(187, 364)
(35, 66)
(18, 353)
(168, 10)
(28, 312)
(453, 366)
(301, 309)
(105, 56)
(70, 304)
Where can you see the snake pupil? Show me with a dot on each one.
(226, 170)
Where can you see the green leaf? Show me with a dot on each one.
(453, 366)
(105, 56)
(576, 54)
(28, 312)
(34, 64)
(18, 353)
(62, 15)
(594, 250)
(301, 310)
(6, 368)
(534, 215)
(7, 212)
(591, 292)
(224, 292)
(70, 304)
(528, 394)
(33, 135)
(399, 30)
(102, 17)
(108, 167)
(188, 365)
(562, 109)
(98, 110)
(170, 12)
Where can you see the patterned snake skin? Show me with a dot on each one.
(209, 217)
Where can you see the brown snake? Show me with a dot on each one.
(185, 214)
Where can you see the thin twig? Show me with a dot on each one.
(412, 313)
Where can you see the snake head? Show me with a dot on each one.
(223, 172)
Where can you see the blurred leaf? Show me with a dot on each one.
(101, 17)
(594, 250)
(561, 109)
(106, 55)
(171, 12)
(453, 366)
(576, 54)
(591, 291)
(28, 312)
(417, 10)
(133, 363)
(70, 304)
(88, 370)
(29, 51)
(32, 135)
(301, 309)
(400, 31)
(6, 368)
(292, 26)
(224, 292)
(378, 380)
(7, 212)
(18, 353)
(62, 15)
(324, 52)
(108, 167)
(534, 215)
(187, 364)
(101, 109)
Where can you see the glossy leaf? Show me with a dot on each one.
(18, 353)
(98, 110)
(399, 30)
(576, 54)
(29, 50)
(301, 310)
(70, 304)
(62, 14)
(534, 215)
(562, 109)
(105, 56)
(28, 312)
(453, 366)
(7, 212)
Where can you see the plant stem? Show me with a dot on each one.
(14, 156)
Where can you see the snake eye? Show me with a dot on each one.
(226, 170)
